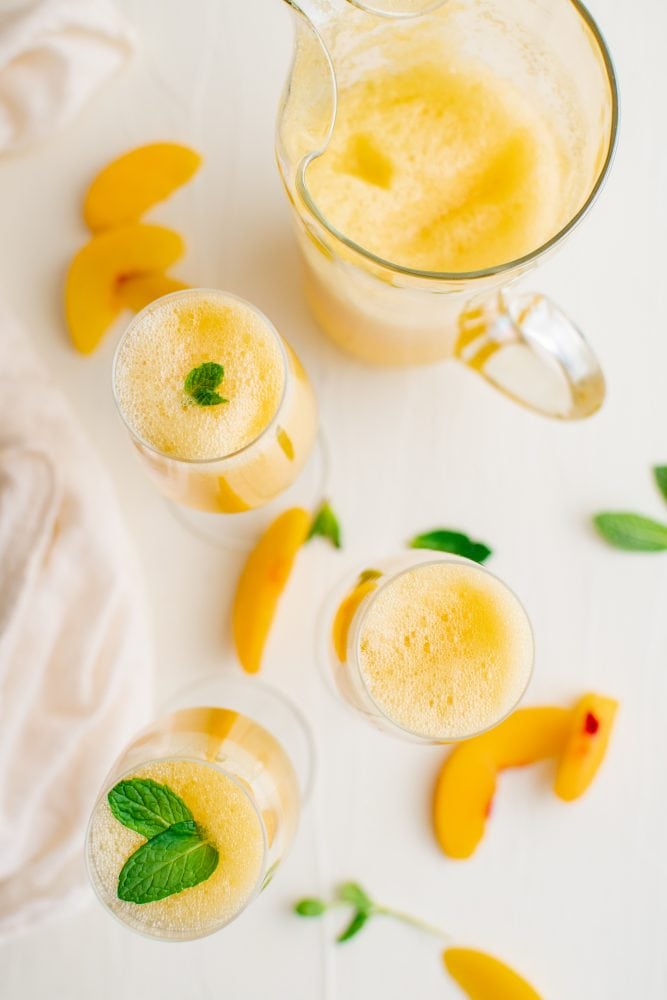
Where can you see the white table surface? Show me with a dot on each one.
(575, 896)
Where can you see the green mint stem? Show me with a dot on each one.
(407, 918)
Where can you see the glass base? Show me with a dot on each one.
(264, 705)
(241, 531)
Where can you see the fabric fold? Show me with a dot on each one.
(75, 653)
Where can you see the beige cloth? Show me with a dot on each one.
(75, 657)
(54, 54)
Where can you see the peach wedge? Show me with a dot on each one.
(586, 745)
(467, 781)
(483, 977)
(138, 290)
(130, 185)
(346, 612)
(91, 288)
(261, 583)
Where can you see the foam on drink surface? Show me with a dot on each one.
(441, 167)
(231, 822)
(178, 334)
(445, 650)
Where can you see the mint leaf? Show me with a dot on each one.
(310, 907)
(356, 923)
(632, 532)
(660, 473)
(444, 540)
(175, 859)
(202, 382)
(351, 892)
(146, 806)
(325, 523)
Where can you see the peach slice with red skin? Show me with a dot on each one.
(134, 182)
(467, 781)
(262, 582)
(483, 977)
(91, 288)
(591, 726)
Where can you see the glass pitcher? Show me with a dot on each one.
(383, 311)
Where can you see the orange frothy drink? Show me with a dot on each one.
(440, 651)
(182, 839)
(217, 404)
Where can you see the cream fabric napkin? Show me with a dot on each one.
(54, 54)
(75, 657)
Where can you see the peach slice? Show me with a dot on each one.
(346, 612)
(91, 302)
(467, 781)
(586, 746)
(262, 581)
(136, 291)
(483, 977)
(128, 186)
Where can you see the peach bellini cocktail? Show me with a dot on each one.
(217, 404)
(197, 814)
(432, 649)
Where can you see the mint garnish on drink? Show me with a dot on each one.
(146, 806)
(176, 859)
(177, 854)
(201, 383)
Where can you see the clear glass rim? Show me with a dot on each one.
(197, 292)
(354, 641)
(498, 269)
(400, 14)
(242, 683)
(256, 889)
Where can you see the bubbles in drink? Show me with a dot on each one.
(178, 334)
(445, 650)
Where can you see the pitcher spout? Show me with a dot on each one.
(308, 106)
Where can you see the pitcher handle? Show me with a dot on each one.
(526, 346)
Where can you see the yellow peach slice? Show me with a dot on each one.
(215, 723)
(262, 581)
(483, 977)
(526, 737)
(136, 291)
(91, 302)
(586, 746)
(128, 186)
(346, 612)
(467, 781)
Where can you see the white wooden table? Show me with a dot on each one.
(575, 896)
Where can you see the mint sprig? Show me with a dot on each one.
(201, 383)
(176, 855)
(326, 525)
(660, 475)
(455, 542)
(364, 908)
(635, 532)
(632, 532)
(146, 806)
(358, 921)
(176, 859)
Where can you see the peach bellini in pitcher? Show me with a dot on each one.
(433, 152)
